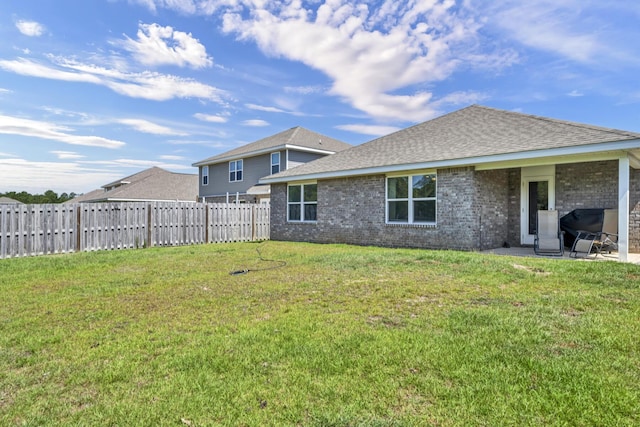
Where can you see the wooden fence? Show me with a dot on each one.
(29, 230)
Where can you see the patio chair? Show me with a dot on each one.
(604, 240)
(549, 239)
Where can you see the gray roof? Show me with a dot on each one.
(470, 133)
(9, 201)
(153, 184)
(295, 137)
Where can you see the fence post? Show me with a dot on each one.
(78, 227)
(253, 223)
(149, 226)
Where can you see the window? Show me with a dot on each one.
(235, 171)
(302, 203)
(205, 175)
(411, 199)
(275, 162)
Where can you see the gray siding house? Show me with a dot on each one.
(472, 180)
(234, 175)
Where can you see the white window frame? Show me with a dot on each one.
(236, 170)
(275, 164)
(302, 202)
(205, 175)
(410, 199)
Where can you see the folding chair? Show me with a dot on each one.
(549, 239)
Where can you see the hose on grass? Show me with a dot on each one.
(278, 264)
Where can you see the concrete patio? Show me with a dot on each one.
(633, 258)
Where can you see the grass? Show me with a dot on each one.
(340, 336)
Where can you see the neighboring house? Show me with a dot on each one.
(234, 175)
(9, 201)
(150, 185)
(472, 179)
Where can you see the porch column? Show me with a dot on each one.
(623, 208)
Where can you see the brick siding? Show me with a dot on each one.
(475, 209)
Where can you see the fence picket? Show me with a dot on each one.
(30, 230)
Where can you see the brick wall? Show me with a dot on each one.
(476, 209)
(352, 210)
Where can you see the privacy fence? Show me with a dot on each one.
(29, 230)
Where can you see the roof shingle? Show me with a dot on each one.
(296, 136)
(471, 132)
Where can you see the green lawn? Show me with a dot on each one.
(339, 336)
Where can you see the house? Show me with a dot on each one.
(234, 175)
(472, 179)
(150, 185)
(4, 200)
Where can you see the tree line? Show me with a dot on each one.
(49, 196)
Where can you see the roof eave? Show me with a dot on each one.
(462, 162)
(208, 162)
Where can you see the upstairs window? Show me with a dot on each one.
(235, 171)
(275, 162)
(411, 199)
(205, 175)
(302, 203)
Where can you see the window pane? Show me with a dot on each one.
(232, 176)
(232, 166)
(294, 212)
(424, 211)
(239, 175)
(275, 158)
(239, 165)
(398, 211)
(398, 187)
(294, 193)
(275, 169)
(424, 186)
(310, 212)
(311, 193)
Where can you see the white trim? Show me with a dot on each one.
(623, 208)
(302, 203)
(274, 164)
(205, 168)
(260, 152)
(478, 161)
(236, 171)
(532, 174)
(410, 200)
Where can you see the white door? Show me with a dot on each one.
(538, 193)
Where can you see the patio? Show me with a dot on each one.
(633, 258)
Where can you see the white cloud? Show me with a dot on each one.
(57, 176)
(146, 126)
(210, 118)
(30, 28)
(183, 6)
(368, 54)
(137, 164)
(172, 158)
(577, 30)
(146, 85)
(575, 93)
(67, 155)
(53, 132)
(263, 108)
(304, 90)
(369, 129)
(158, 45)
(255, 123)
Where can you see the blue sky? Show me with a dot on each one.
(92, 91)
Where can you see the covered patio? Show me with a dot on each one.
(633, 258)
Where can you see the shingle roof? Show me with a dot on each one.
(471, 132)
(150, 184)
(297, 136)
(9, 201)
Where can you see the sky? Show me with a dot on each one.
(95, 90)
